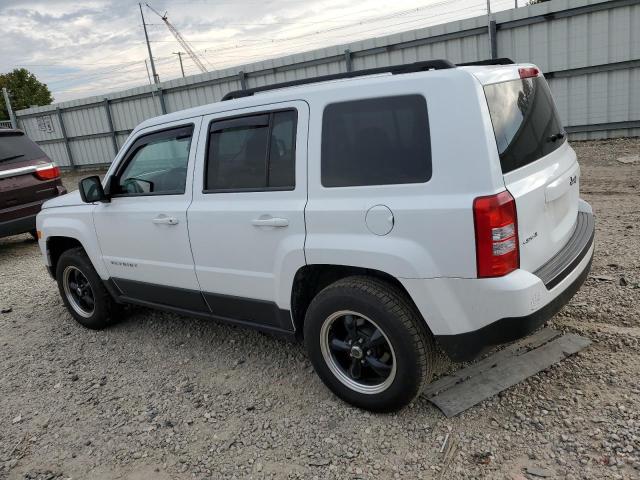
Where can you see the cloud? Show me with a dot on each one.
(92, 47)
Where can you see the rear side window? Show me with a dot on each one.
(378, 141)
(17, 147)
(524, 119)
(252, 153)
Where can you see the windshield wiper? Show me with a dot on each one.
(556, 136)
(11, 158)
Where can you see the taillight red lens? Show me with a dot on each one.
(496, 224)
(528, 72)
(47, 172)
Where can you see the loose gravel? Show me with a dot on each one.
(161, 396)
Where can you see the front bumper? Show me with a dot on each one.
(469, 315)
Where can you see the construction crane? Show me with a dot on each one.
(180, 39)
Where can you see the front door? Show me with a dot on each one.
(246, 221)
(143, 230)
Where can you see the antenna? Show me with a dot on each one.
(180, 39)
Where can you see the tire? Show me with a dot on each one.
(73, 265)
(392, 373)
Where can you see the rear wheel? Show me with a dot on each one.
(368, 344)
(83, 292)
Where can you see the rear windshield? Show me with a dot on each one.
(17, 147)
(525, 121)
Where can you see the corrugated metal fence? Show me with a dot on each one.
(589, 51)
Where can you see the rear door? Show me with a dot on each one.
(539, 167)
(246, 222)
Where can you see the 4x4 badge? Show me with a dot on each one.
(529, 238)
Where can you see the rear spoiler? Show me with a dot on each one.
(490, 61)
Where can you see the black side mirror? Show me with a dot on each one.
(91, 190)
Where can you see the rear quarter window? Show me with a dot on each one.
(378, 141)
(524, 119)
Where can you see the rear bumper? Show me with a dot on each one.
(466, 346)
(17, 226)
(22, 218)
(468, 315)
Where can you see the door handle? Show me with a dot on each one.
(270, 222)
(164, 220)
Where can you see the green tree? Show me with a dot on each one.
(25, 90)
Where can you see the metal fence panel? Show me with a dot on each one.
(58, 152)
(129, 113)
(579, 44)
(121, 138)
(89, 151)
(34, 128)
(85, 121)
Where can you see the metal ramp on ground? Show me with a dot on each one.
(467, 387)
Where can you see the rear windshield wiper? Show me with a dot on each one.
(556, 136)
(11, 157)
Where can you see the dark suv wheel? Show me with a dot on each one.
(83, 292)
(368, 344)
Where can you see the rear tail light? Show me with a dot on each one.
(496, 227)
(528, 72)
(47, 172)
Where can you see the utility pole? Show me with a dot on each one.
(146, 65)
(7, 102)
(180, 58)
(488, 22)
(156, 78)
(491, 32)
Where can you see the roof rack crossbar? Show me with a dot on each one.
(489, 61)
(395, 70)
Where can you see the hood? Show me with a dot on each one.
(68, 200)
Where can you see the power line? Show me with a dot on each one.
(275, 46)
(283, 40)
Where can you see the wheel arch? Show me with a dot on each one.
(56, 246)
(309, 280)
(69, 227)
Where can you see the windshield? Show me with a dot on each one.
(16, 146)
(525, 121)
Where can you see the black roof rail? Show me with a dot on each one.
(394, 69)
(489, 61)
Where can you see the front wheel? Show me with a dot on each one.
(83, 292)
(368, 344)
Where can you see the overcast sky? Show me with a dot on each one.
(91, 47)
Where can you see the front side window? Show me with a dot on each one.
(255, 152)
(377, 141)
(158, 164)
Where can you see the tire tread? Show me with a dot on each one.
(111, 310)
(399, 306)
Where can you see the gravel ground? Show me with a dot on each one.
(164, 396)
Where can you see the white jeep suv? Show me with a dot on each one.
(374, 214)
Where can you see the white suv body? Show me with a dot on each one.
(256, 206)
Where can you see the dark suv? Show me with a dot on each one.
(27, 179)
